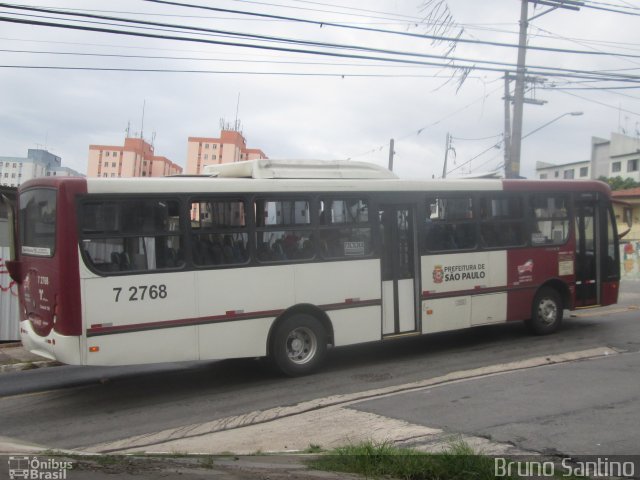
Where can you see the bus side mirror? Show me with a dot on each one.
(14, 267)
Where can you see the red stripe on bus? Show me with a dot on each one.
(233, 315)
(430, 295)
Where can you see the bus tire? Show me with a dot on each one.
(298, 345)
(546, 312)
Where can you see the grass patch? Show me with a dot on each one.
(375, 460)
(313, 448)
(207, 462)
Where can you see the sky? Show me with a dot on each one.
(303, 105)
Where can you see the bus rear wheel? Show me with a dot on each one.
(546, 312)
(299, 345)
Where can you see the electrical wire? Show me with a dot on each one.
(552, 71)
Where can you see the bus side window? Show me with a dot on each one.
(450, 224)
(131, 234)
(551, 220)
(501, 221)
(345, 228)
(218, 232)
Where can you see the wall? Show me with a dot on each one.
(630, 258)
(9, 307)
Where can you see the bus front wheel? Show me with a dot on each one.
(299, 345)
(546, 312)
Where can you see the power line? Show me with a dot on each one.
(601, 103)
(432, 124)
(607, 9)
(228, 72)
(551, 71)
(408, 34)
(495, 145)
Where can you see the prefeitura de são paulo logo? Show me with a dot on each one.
(438, 274)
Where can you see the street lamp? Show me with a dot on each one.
(573, 114)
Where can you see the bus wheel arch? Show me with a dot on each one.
(547, 308)
(298, 340)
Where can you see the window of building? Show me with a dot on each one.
(283, 230)
(543, 176)
(584, 171)
(104, 174)
(13, 175)
(206, 156)
(106, 154)
(214, 146)
(551, 221)
(206, 145)
(449, 224)
(569, 174)
(6, 175)
(219, 235)
(113, 164)
(345, 229)
(14, 165)
(132, 235)
(632, 165)
(213, 157)
(616, 166)
(556, 174)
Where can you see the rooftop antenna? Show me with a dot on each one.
(236, 125)
(144, 102)
(153, 138)
(128, 129)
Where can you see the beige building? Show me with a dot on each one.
(230, 147)
(135, 159)
(627, 212)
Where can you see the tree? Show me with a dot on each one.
(618, 183)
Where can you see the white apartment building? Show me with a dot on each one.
(616, 157)
(14, 171)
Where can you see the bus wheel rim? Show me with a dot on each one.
(302, 345)
(547, 311)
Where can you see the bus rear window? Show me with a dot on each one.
(38, 222)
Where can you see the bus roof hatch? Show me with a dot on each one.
(281, 169)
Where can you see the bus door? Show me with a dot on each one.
(588, 251)
(400, 265)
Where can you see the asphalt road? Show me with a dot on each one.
(71, 407)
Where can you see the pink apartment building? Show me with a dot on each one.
(230, 147)
(135, 159)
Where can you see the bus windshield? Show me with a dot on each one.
(38, 222)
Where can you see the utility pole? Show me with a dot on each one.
(507, 123)
(447, 147)
(513, 170)
(512, 164)
(391, 154)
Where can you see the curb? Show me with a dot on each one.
(16, 367)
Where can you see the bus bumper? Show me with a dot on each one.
(63, 348)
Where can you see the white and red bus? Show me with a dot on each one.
(251, 264)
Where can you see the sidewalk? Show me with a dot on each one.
(13, 357)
